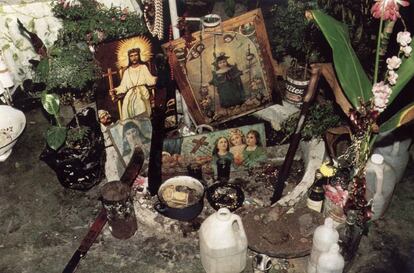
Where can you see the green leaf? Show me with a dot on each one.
(55, 137)
(351, 75)
(51, 103)
(405, 74)
(5, 47)
(31, 25)
(402, 117)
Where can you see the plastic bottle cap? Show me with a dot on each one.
(223, 214)
(377, 159)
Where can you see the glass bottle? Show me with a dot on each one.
(350, 234)
(317, 194)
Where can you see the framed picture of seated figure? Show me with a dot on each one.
(131, 80)
(227, 71)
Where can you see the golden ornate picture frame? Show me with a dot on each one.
(227, 71)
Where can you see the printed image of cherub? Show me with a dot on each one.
(237, 145)
(254, 153)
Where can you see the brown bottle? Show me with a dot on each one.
(316, 193)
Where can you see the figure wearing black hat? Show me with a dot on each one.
(226, 78)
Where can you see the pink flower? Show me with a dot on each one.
(392, 77)
(393, 63)
(336, 194)
(407, 50)
(404, 38)
(123, 17)
(389, 9)
(381, 93)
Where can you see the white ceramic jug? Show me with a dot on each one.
(223, 243)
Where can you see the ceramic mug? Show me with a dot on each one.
(262, 263)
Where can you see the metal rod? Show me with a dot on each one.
(130, 173)
(294, 143)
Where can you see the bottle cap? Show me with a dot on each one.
(318, 175)
(377, 159)
(351, 217)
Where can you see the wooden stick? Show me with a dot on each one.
(111, 86)
(131, 172)
(294, 143)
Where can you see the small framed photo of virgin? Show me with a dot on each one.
(128, 133)
(227, 71)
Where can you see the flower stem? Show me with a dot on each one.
(377, 52)
(57, 121)
(372, 140)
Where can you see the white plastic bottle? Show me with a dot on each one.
(223, 243)
(394, 148)
(331, 261)
(381, 182)
(323, 238)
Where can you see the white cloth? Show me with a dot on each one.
(137, 96)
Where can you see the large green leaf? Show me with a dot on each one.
(351, 75)
(51, 103)
(405, 74)
(55, 137)
(403, 116)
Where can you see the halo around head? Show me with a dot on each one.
(141, 42)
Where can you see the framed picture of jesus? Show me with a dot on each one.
(227, 71)
(133, 80)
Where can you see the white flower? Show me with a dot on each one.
(381, 93)
(404, 38)
(379, 104)
(393, 63)
(407, 50)
(392, 77)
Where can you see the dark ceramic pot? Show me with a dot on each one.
(79, 168)
(225, 195)
(180, 198)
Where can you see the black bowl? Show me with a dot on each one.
(225, 195)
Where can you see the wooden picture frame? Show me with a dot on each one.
(227, 72)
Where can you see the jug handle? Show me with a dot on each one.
(395, 148)
(240, 229)
(379, 173)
